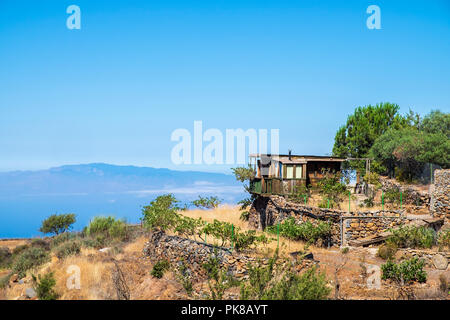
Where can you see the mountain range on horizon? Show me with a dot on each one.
(89, 190)
(95, 178)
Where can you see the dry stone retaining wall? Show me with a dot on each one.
(194, 254)
(267, 211)
(440, 196)
(410, 195)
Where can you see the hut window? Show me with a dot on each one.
(289, 172)
(298, 172)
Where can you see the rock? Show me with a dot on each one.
(30, 293)
(440, 262)
(104, 249)
(21, 281)
(14, 278)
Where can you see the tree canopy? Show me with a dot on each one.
(394, 141)
(58, 223)
(364, 126)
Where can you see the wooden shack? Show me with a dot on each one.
(281, 174)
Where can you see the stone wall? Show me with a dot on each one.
(410, 195)
(363, 228)
(267, 211)
(440, 195)
(194, 254)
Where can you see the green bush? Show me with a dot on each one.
(220, 230)
(57, 223)
(412, 237)
(266, 282)
(28, 259)
(368, 203)
(305, 231)
(68, 248)
(405, 272)
(392, 196)
(183, 276)
(61, 238)
(96, 242)
(206, 202)
(40, 243)
(4, 281)
(5, 257)
(159, 268)
(186, 226)
(244, 240)
(19, 249)
(331, 187)
(444, 239)
(219, 280)
(161, 213)
(44, 287)
(108, 227)
(387, 251)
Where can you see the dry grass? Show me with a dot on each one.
(226, 213)
(11, 244)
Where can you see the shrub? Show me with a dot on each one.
(159, 268)
(108, 227)
(330, 187)
(61, 238)
(300, 194)
(404, 272)
(412, 237)
(161, 213)
(186, 226)
(218, 278)
(373, 178)
(206, 202)
(68, 248)
(57, 223)
(5, 257)
(28, 259)
(244, 240)
(220, 230)
(183, 275)
(392, 196)
(305, 231)
(269, 283)
(97, 242)
(44, 287)
(368, 203)
(444, 239)
(387, 251)
(4, 281)
(19, 249)
(40, 243)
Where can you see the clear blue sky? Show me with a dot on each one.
(137, 70)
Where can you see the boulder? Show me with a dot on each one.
(30, 293)
(440, 262)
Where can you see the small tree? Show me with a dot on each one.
(58, 223)
(206, 202)
(161, 213)
(44, 286)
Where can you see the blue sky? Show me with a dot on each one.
(137, 70)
